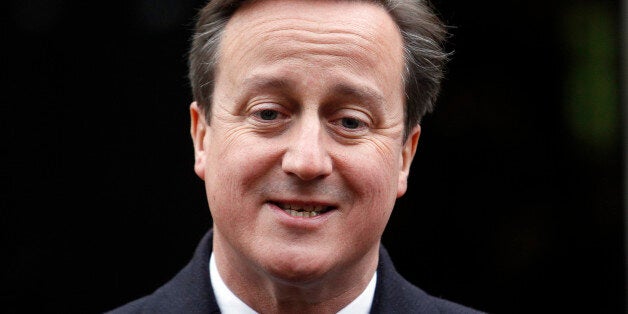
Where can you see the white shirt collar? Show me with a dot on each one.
(229, 303)
(362, 304)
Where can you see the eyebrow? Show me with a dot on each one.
(260, 82)
(371, 97)
(366, 95)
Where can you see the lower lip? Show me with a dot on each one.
(300, 222)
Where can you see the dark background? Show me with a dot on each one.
(516, 196)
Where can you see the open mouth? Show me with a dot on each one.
(305, 211)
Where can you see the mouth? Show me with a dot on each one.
(303, 210)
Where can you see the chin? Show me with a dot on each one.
(298, 269)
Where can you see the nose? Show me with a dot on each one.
(306, 156)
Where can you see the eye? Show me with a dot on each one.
(268, 114)
(351, 123)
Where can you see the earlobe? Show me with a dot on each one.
(198, 130)
(405, 160)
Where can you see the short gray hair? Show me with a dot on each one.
(423, 36)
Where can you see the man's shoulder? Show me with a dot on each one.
(189, 291)
(394, 294)
(135, 306)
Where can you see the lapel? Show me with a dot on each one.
(394, 294)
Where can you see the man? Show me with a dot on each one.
(305, 123)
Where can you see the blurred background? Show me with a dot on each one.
(516, 194)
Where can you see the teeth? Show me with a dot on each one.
(305, 211)
(303, 214)
(305, 208)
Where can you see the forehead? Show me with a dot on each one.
(352, 29)
(352, 37)
(336, 11)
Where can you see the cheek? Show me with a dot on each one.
(377, 169)
(374, 177)
(229, 177)
(374, 193)
(236, 163)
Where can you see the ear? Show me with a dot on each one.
(405, 160)
(198, 129)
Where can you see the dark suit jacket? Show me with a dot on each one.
(190, 291)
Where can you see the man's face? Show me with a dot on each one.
(304, 156)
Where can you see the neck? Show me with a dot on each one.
(265, 293)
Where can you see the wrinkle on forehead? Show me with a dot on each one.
(328, 49)
(318, 31)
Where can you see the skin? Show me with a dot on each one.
(308, 110)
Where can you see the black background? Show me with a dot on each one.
(509, 210)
